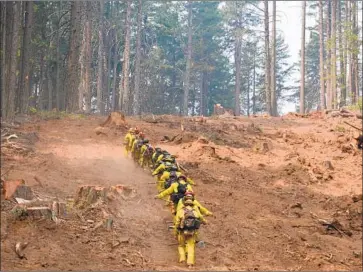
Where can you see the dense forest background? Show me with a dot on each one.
(178, 57)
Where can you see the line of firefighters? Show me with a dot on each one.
(173, 187)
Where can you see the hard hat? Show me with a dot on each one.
(146, 141)
(189, 193)
(157, 149)
(188, 202)
(182, 177)
(173, 168)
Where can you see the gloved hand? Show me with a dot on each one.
(210, 214)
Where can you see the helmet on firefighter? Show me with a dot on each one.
(189, 195)
(146, 141)
(182, 177)
(188, 202)
(157, 149)
(173, 168)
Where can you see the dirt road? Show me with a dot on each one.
(255, 196)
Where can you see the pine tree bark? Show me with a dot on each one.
(3, 47)
(138, 59)
(73, 60)
(58, 58)
(346, 49)
(100, 61)
(302, 67)
(354, 55)
(124, 90)
(254, 84)
(189, 60)
(333, 55)
(24, 86)
(321, 56)
(341, 58)
(237, 62)
(328, 58)
(13, 38)
(88, 58)
(114, 77)
(267, 60)
(273, 63)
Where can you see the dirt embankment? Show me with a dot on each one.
(281, 189)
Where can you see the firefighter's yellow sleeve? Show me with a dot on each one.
(203, 210)
(161, 167)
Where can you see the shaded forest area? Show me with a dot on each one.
(178, 57)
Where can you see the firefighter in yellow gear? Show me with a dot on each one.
(196, 203)
(135, 150)
(145, 154)
(155, 156)
(176, 192)
(133, 138)
(127, 140)
(188, 220)
(162, 156)
(160, 169)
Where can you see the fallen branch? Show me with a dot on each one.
(352, 126)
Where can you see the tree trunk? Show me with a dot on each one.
(58, 60)
(189, 60)
(355, 50)
(115, 62)
(237, 62)
(273, 63)
(49, 86)
(254, 84)
(138, 59)
(302, 67)
(346, 50)
(10, 88)
(100, 105)
(341, 58)
(328, 59)
(73, 60)
(3, 45)
(333, 55)
(124, 91)
(321, 56)
(267, 60)
(24, 87)
(201, 103)
(248, 93)
(87, 58)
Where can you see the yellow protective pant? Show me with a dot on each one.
(186, 246)
(126, 150)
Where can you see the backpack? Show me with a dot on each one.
(156, 156)
(175, 197)
(172, 178)
(190, 221)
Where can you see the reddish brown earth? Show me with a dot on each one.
(264, 179)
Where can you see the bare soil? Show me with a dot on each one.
(269, 181)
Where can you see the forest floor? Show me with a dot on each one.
(271, 183)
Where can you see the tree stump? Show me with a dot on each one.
(91, 194)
